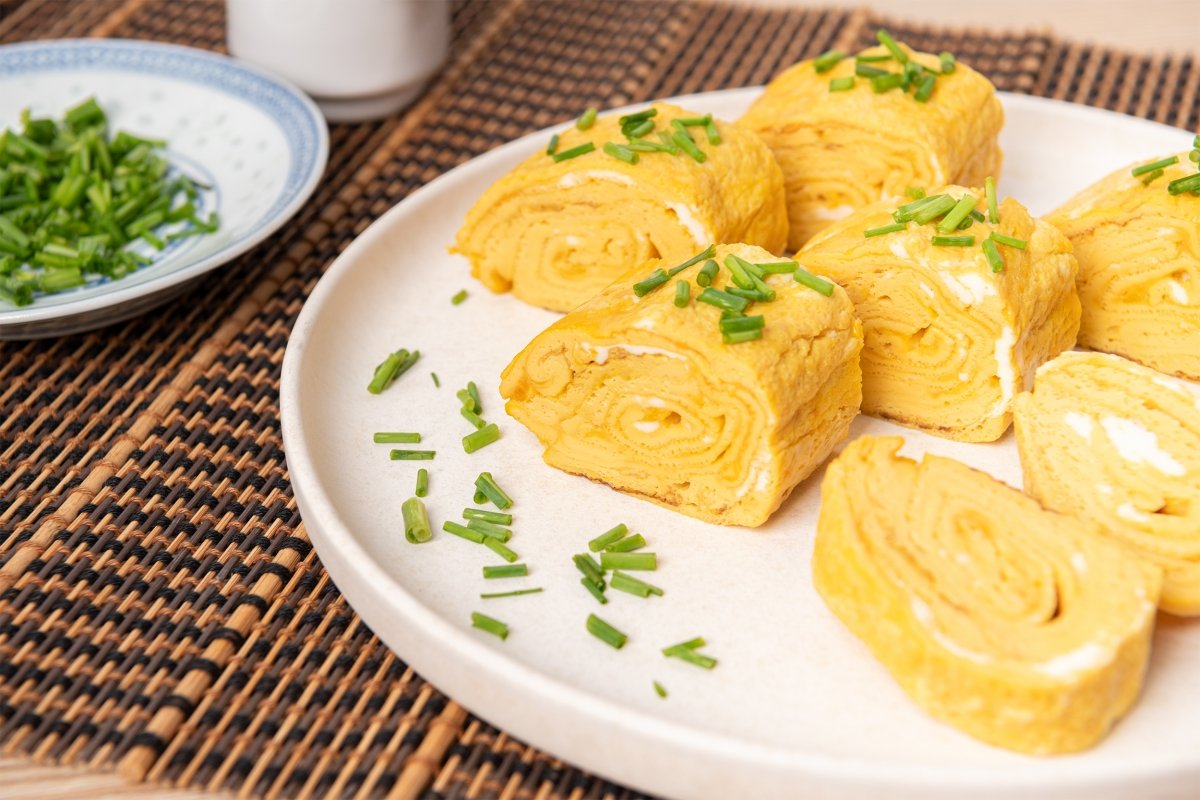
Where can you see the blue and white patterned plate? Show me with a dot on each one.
(258, 141)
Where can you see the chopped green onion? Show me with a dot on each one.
(690, 655)
(1153, 165)
(505, 571)
(693, 122)
(873, 59)
(412, 455)
(468, 402)
(977, 216)
(723, 300)
(642, 146)
(387, 437)
(737, 337)
(480, 498)
(1196, 141)
(937, 206)
(885, 229)
(687, 145)
(887, 41)
(634, 542)
(627, 583)
(587, 119)
(605, 632)
(1009, 241)
(436, 382)
(486, 623)
(638, 116)
(806, 278)
(636, 561)
(392, 368)
(494, 517)
(925, 89)
(480, 438)
(867, 71)
(596, 589)
(487, 486)
(1184, 185)
(1152, 177)
(422, 488)
(737, 269)
(778, 267)
(514, 593)
(459, 297)
(947, 62)
(706, 274)
(588, 566)
(473, 418)
(710, 130)
(993, 255)
(828, 60)
(953, 241)
(638, 130)
(574, 152)
(473, 390)
(499, 548)
(614, 534)
(735, 324)
(683, 294)
(708, 252)
(842, 84)
(553, 146)
(957, 214)
(668, 142)
(621, 152)
(416, 521)
(993, 204)
(1194, 155)
(463, 532)
(915, 192)
(659, 690)
(885, 83)
(909, 210)
(649, 284)
(490, 529)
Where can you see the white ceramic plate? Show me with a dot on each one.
(258, 141)
(797, 706)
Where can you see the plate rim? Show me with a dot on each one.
(21, 317)
(365, 583)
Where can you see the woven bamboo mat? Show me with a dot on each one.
(162, 614)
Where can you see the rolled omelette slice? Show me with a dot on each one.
(556, 233)
(646, 397)
(842, 150)
(1139, 268)
(1117, 443)
(948, 340)
(1019, 626)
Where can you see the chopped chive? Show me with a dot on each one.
(422, 488)
(486, 623)
(627, 583)
(1194, 155)
(993, 204)
(416, 521)
(778, 267)
(977, 216)
(659, 690)
(687, 145)
(481, 438)
(553, 146)
(587, 119)
(885, 229)
(885, 83)
(752, 295)
(1151, 177)
(494, 517)
(487, 486)
(1009, 241)
(706, 274)
(480, 498)
(735, 324)
(649, 284)
(1184, 185)
(737, 269)
(708, 252)
(909, 210)
(710, 130)
(690, 656)
(693, 122)
(473, 391)
(605, 632)
(621, 152)
(668, 142)
(867, 71)
(912, 71)
(634, 542)
(737, 337)
(614, 534)
(514, 593)
(953, 241)
(574, 152)
(947, 62)
(468, 402)
(595, 588)
(887, 41)
(691, 644)
(842, 84)
(683, 294)
(937, 206)
(806, 278)
(639, 129)
(458, 297)
(392, 368)
(436, 382)
(957, 214)
(638, 116)
(915, 192)
(505, 571)
(636, 561)
(389, 437)
(828, 60)
(873, 59)
(642, 146)
(499, 548)
(925, 89)
(993, 255)
(723, 300)
(490, 529)
(463, 532)
(588, 566)
(1196, 141)
(1153, 165)
(473, 418)
(412, 455)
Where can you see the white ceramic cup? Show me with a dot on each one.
(358, 59)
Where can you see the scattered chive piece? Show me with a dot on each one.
(993, 255)
(1153, 165)
(977, 216)
(887, 41)
(574, 152)
(778, 267)
(642, 146)
(463, 532)
(481, 438)
(412, 455)
(947, 62)
(389, 437)
(867, 71)
(953, 241)
(596, 589)
(514, 593)
(957, 214)
(422, 482)
(885, 83)
(487, 486)
(909, 210)
(737, 269)
(436, 382)
(1196, 141)
(621, 152)
(690, 655)
(925, 89)
(473, 418)
(473, 391)
(486, 623)
(737, 337)
(553, 146)
(723, 300)
(499, 548)
(690, 644)
(649, 284)
(843, 84)
(937, 206)
(668, 142)
(468, 402)
(1184, 185)
(636, 561)
(1194, 155)
(392, 367)
(416, 521)
(588, 566)
(993, 204)
(610, 536)
(735, 324)
(627, 583)
(506, 571)
(710, 130)
(687, 145)
(587, 119)
(806, 278)
(1152, 177)
(884, 229)
(490, 529)
(605, 632)
(634, 542)
(828, 60)
(659, 690)
(706, 274)
(912, 71)
(683, 294)
(1009, 241)
(873, 59)
(639, 129)
(480, 497)
(693, 122)
(708, 252)
(459, 297)
(487, 516)
(638, 116)
(915, 192)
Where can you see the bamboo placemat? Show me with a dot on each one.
(162, 614)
